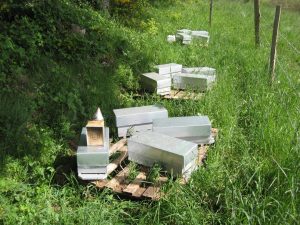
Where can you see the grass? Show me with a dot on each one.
(252, 175)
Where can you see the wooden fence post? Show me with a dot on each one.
(274, 43)
(257, 22)
(210, 11)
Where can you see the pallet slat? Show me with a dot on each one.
(135, 185)
(179, 94)
(117, 146)
(111, 167)
(154, 192)
(139, 192)
(115, 184)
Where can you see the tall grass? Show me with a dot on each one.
(252, 173)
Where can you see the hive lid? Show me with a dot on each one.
(164, 142)
(182, 121)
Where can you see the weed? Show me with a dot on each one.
(133, 171)
(154, 173)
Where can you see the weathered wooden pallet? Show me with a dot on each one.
(139, 188)
(180, 94)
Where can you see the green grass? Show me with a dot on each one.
(252, 174)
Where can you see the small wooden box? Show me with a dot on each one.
(95, 133)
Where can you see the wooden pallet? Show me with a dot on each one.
(139, 188)
(180, 94)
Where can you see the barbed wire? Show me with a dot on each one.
(289, 43)
(281, 34)
(291, 83)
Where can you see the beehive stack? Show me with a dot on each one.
(187, 36)
(93, 150)
(156, 83)
(168, 70)
(195, 78)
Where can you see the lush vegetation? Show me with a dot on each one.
(53, 77)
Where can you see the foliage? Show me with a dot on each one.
(52, 79)
(154, 173)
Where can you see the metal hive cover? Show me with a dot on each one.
(152, 81)
(150, 147)
(190, 126)
(200, 32)
(191, 81)
(132, 130)
(185, 31)
(165, 69)
(199, 70)
(139, 115)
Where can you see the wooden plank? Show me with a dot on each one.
(100, 183)
(214, 132)
(115, 164)
(117, 146)
(135, 185)
(274, 43)
(179, 94)
(154, 192)
(202, 150)
(210, 12)
(257, 21)
(115, 184)
(139, 192)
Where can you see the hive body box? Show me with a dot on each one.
(174, 155)
(139, 115)
(184, 31)
(186, 36)
(133, 130)
(92, 160)
(138, 118)
(156, 83)
(200, 35)
(200, 70)
(198, 82)
(95, 133)
(167, 70)
(196, 129)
